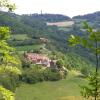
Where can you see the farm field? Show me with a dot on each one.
(61, 24)
(66, 89)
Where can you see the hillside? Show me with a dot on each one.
(47, 62)
(89, 17)
(30, 28)
(66, 89)
(35, 28)
(49, 56)
(92, 18)
(48, 17)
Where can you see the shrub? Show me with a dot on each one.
(85, 71)
(25, 63)
(10, 82)
(36, 74)
(51, 75)
(60, 63)
(32, 75)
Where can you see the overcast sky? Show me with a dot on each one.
(66, 7)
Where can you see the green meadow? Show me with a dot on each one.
(65, 89)
(28, 47)
(19, 37)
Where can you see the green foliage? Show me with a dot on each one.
(69, 61)
(19, 37)
(74, 40)
(93, 19)
(8, 65)
(47, 17)
(92, 43)
(25, 63)
(58, 90)
(60, 63)
(6, 53)
(28, 47)
(9, 82)
(6, 4)
(10, 70)
(89, 42)
(6, 58)
(32, 75)
(35, 27)
(36, 73)
(6, 94)
(85, 71)
(50, 75)
(89, 91)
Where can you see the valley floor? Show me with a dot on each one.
(66, 89)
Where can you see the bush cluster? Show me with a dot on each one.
(10, 82)
(36, 74)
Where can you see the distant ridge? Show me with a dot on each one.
(48, 17)
(89, 17)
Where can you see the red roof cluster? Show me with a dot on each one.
(38, 59)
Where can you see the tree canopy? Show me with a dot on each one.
(92, 42)
(8, 63)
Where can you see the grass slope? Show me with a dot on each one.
(28, 47)
(19, 37)
(66, 89)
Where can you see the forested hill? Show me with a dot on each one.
(89, 17)
(92, 18)
(24, 24)
(34, 26)
(48, 17)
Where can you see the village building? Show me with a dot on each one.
(39, 59)
(44, 40)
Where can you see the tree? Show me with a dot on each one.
(7, 5)
(60, 63)
(85, 71)
(8, 63)
(90, 41)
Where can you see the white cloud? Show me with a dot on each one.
(67, 7)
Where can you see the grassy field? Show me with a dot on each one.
(28, 47)
(67, 89)
(20, 37)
